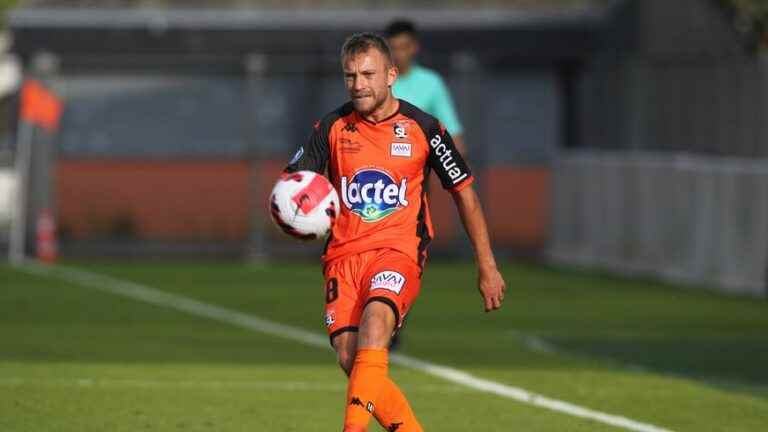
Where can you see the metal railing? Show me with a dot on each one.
(691, 219)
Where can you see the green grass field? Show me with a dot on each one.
(73, 358)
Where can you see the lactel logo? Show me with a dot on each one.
(389, 280)
(373, 195)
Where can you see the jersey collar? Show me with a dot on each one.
(393, 115)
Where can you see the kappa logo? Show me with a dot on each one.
(357, 402)
(400, 149)
(388, 280)
(349, 127)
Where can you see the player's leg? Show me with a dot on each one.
(370, 368)
(392, 411)
(343, 309)
(393, 285)
(345, 346)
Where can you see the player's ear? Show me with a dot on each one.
(391, 75)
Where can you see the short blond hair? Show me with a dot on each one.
(360, 43)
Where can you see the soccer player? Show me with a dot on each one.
(378, 150)
(418, 85)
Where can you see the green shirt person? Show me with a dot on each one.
(418, 85)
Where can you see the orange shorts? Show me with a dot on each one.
(383, 275)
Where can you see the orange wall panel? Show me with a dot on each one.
(213, 201)
(516, 202)
(154, 200)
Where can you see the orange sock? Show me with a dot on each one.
(393, 412)
(368, 379)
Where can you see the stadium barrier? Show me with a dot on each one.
(194, 203)
(687, 219)
(7, 194)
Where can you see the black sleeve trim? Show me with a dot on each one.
(314, 155)
(443, 158)
(422, 230)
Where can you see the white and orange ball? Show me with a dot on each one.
(304, 205)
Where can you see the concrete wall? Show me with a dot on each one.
(674, 76)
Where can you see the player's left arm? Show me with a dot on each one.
(490, 282)
(455, 176)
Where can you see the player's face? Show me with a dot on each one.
(404, 48)
(368, 77)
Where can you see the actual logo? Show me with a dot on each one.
(446, 159)
(388, 280)
(372, 194)
(400, 149)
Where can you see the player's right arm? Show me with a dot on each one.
(314, 155)
(455, 176)
(490, 282)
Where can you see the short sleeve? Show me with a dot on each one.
(445, 159)
(444, 109)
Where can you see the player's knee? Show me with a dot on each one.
(345, 346)
(346, 361)
(377, 324)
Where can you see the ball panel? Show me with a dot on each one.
(304, 205)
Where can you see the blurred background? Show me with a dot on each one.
(620, 149)
(621, 135)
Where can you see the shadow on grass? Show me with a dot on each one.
(740, 365)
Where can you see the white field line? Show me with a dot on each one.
(287, 386)
(251, 322)
(538, 344)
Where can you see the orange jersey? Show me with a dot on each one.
(379, 170)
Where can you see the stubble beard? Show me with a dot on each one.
(377, 103)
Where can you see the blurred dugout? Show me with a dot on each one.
(176, 121)
(175, 127)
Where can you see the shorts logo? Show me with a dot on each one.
(297, 156)
(400, 149)
(330, 318)
(373, 194)
(388, 280)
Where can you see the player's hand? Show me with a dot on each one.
(492, 288)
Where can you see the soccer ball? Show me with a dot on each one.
(304, 205)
